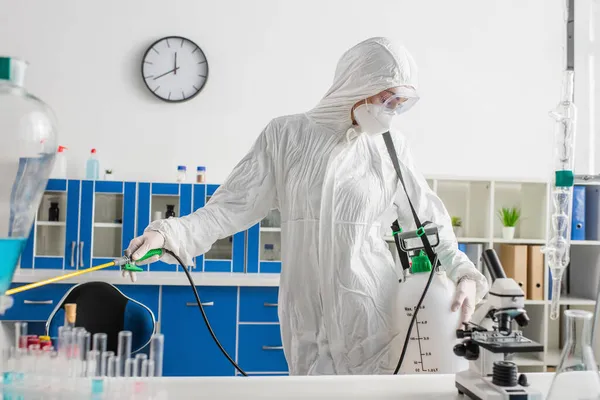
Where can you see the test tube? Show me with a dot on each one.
(111, 366)
(124, 348)
(88, 342)
(151, 369)
(104, 362)
(118, 366)
(139, 361)
(20, 333)
(144, 368)
(157, 343)
(130, 368)
(65, 341)
(92, 363)
(79, 337)
(99, 342)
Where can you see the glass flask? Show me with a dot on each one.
(28, 146)
(577, 375)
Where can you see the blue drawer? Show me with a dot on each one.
(35, 304)
(258, 304)
(147, 295)
(260, 349)
(189, 348)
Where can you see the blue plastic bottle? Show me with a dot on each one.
(92, 167)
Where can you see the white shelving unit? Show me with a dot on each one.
(476, 202)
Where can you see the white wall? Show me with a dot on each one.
(489, 72)
(587, 86)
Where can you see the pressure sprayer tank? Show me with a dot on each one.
(28, 144)
(433, 336)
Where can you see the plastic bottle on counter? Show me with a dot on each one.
(59, 171)
(200, 174)
(181, 173)
(92, 167)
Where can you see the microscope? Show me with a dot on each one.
(489, 338)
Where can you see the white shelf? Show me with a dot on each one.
(270, 229)
(51, 223)
(519, 241)
(473, 240)
(585, 242)
(535, 302)
(575, 301)
(107, 225)
(527, 360)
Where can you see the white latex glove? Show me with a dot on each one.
(139, 246)
(464, 299)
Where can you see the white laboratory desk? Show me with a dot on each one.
(422, 387)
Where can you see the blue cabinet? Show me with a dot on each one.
(37, 304)
(263, 252)
(260, 349)
(158, 201)
(226, 255)
(189, 348)
(107, 222)
(52, 243)
(145, 294)
(258, 304)
(80, 224)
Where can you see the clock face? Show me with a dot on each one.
(174, 69)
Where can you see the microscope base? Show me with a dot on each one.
(476, 387)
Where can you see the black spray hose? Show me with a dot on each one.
(189, 276)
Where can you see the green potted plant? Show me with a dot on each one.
(509, 217)
(457, 226)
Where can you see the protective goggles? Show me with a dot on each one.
(395, 102)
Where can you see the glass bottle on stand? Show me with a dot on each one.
(577, 373)
(28, 146)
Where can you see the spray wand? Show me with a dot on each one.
(124, 262)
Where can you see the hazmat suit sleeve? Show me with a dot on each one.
(429, 207)
(245, 198)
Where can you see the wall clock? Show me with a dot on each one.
(174, 69)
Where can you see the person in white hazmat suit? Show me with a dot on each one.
(331, 177)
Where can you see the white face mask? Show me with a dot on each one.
(372, 119)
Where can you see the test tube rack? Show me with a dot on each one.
(79, 367)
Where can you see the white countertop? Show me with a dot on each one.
(153, 278)
(422, 387)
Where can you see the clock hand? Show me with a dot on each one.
(175, 63)
(166, 73)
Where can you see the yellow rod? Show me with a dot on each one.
(57, 278)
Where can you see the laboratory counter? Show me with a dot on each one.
(376, 387)
(154, 278)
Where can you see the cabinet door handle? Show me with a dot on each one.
(73, 254)
(271, 304)
(38, 302)
(193, 304)
(272, 347)
(81, 254)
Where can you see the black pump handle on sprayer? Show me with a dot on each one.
(389, 144)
